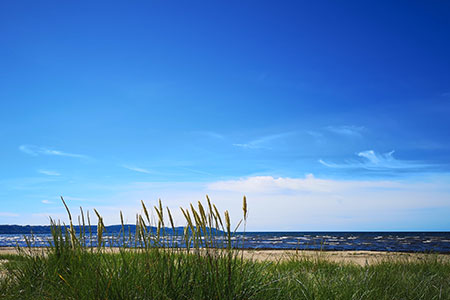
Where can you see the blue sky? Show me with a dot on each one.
(328, 116)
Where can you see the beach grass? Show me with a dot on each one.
(206, 266)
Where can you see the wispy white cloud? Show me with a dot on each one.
(314, 134)
(371, 160)
(49, 172)
(47, 201)
(346, 130)
(265, 142)
(137, 169)
(197, 171)
(36, 150)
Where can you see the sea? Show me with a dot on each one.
(433, 242)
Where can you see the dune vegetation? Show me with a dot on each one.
(202, 262)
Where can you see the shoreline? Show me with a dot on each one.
(358, 257)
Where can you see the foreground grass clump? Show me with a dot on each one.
(319, 279)
(149, 274)
(204, 265)
(157, 274)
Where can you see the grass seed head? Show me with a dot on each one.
(145, 211)
(170, 218)
(161, 210)
(244, 207)
(227, 221)
(218, 215)
(121, 219)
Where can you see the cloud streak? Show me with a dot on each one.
(49, 172)
(346, 130)
(136, 169)
(264, 142)
(371, 160)
(36, 151)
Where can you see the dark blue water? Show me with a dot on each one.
(438, 242)
(371, 241)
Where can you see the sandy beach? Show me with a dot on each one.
(353, 257)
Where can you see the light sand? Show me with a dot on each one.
(356, 257)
